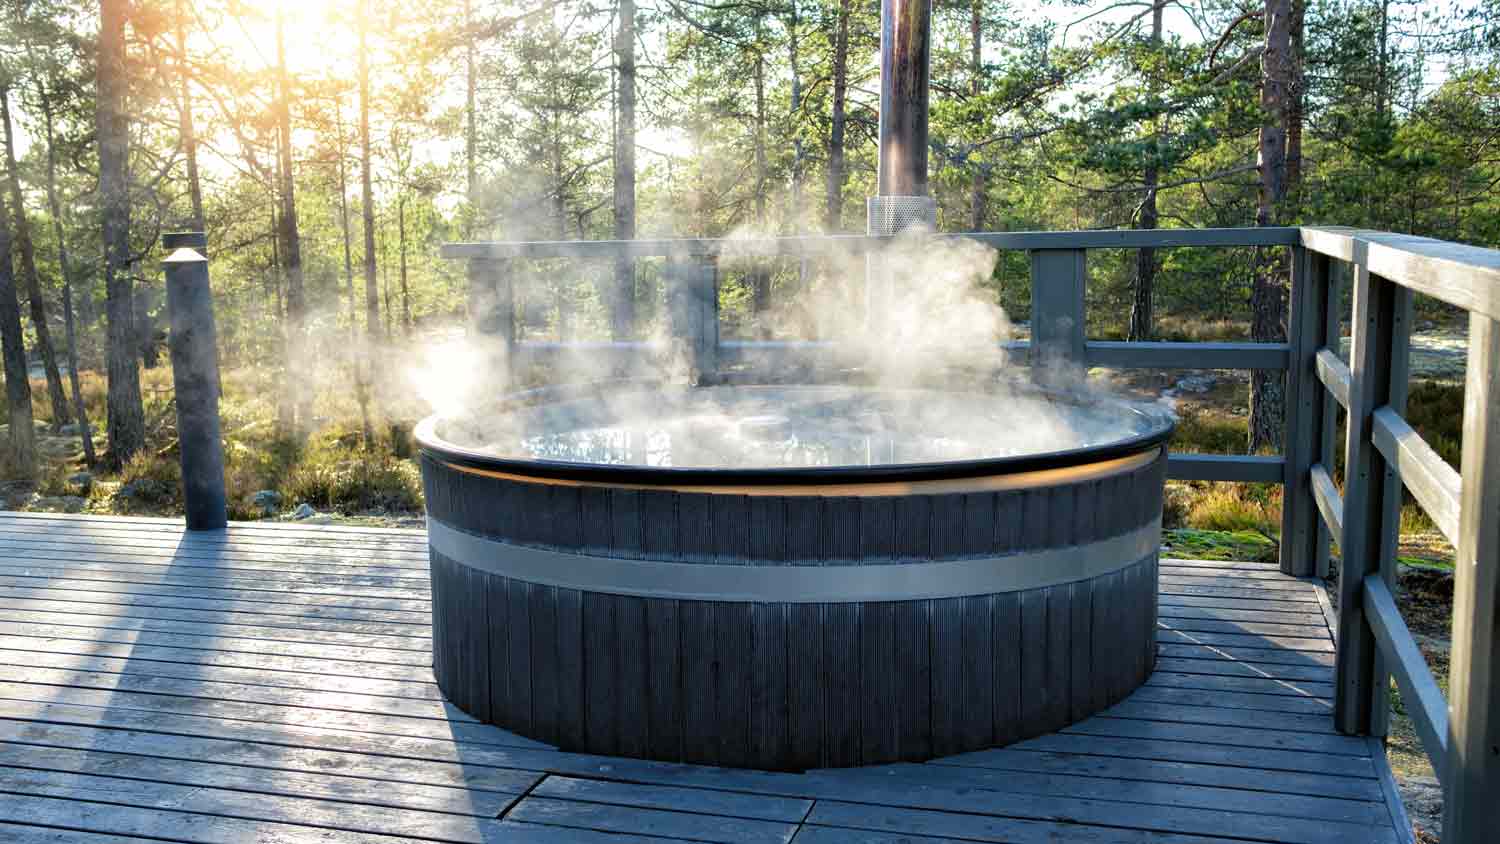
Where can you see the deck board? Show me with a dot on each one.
(273, 683)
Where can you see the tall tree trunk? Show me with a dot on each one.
(65, 265)
(1142, 311)
(561, 300)
(760, 277)
(385, 284)
(21, 445)
(363, 386)
(1296, 107)
(127, 417)
(1383, 63)
(471, 124)
(188, 136)
(835, 189)
(1268, 292)
(406, 324)
(291, 244)
(61, 413)
(344, 226)
(367, 195)
(978, 185)
(622, 321)
(799, 153)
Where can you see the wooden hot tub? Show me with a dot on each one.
(792, 617)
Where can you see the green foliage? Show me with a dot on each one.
(1210, 544)
(1436, 410)
(351, 482)
(1238, 507)
(1208, 431)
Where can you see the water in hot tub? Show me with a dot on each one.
(784, 427)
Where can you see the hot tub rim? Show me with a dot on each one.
(430, 443)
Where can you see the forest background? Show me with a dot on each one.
(327, 148)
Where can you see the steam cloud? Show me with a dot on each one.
(911, 320)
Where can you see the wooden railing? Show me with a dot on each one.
(1058, 275)
(1382, 452)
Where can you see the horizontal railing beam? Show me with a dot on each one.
(1239, 468)
(1466, 276)
(1420, 695)
(1330, 503)
(1334, 374)
(1141, 355)
(1435, 484)
(813, 245)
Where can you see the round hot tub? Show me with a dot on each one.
(792, 577)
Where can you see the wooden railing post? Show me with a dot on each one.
(1300, 536)
(1376, 361)
(693, 315)
(1471, 804)
(1058, 278)
(492, 312)
(1328, 417)
(195, 381)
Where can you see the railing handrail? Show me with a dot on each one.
(858, 244)
(1457, 273)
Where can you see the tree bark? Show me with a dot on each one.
(1296, 106)
(560, 218)
(185, 130)
(799, 155)
(1268, 293)
(978, 185)
(291, 245)
(65, 265)
(835, 188)
(21, 444)
(471, 124)
(406, 324)
(760, 277)
(1142, 310)
(367, 195)
(127, 417)
(363, 381)
(622, 316)
(61, 413)
(344, 227)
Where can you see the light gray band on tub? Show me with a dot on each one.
(796, 584)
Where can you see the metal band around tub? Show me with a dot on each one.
(793, 583)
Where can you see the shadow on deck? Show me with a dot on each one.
(273, 684)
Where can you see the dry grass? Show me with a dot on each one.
(1237, 507)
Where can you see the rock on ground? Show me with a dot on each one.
(1424, 805)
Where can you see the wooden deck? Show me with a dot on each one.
(273, 684)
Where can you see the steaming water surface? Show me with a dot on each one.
(787, 427)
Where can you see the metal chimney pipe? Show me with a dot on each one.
(901, 201)
(905, 52)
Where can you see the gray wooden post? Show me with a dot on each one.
(1058, 277)
(1379, 306)
(1398, 379)
(195, 378)
(1471, 803)
(492, 317)
(693, 314)
(1328, 422)
(1299, 512)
